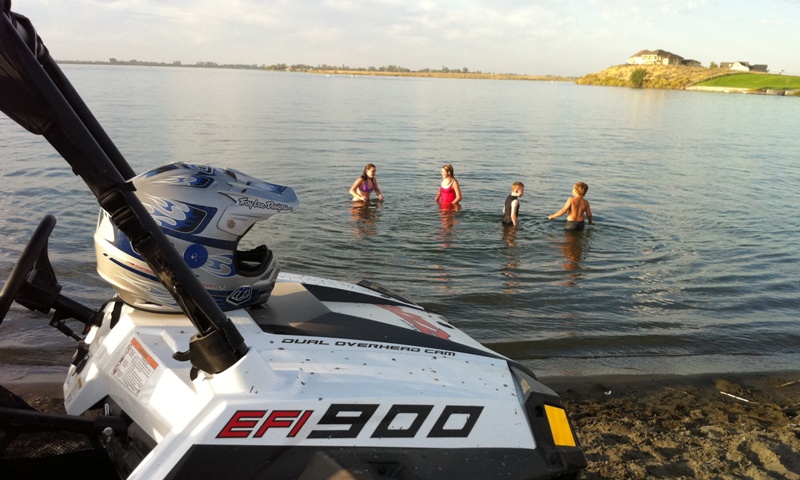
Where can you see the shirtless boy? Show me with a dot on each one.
(577, 207)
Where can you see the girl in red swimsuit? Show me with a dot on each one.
(449, 190)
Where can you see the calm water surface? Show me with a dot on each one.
(691, 266)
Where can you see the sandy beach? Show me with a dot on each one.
(715, 426)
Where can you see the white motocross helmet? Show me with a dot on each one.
(205, 212)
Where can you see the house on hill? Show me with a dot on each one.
(744, 67)
(655, 57)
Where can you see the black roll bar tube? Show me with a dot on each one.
(59, 114)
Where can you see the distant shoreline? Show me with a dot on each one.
(338, 72)
(485, 76)
(137, 63)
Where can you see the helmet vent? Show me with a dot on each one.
(250, 263)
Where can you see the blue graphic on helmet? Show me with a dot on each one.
(198, 181)
(220, 265)
(161, 169)
(180, 217)
(202, 177)
(195, 256)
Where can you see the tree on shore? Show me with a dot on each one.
(637, 77)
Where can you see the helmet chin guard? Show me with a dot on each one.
(205, 212)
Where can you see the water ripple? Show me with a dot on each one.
(692, 254)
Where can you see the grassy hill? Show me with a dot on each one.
(680, 77)
(752, 81)
(658, 76)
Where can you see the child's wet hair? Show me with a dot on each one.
(581, 188)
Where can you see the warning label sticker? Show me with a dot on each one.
(135, 367)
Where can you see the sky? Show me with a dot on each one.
(533, 37)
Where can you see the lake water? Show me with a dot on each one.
(691, 266)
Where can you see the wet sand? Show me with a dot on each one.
(715, 426)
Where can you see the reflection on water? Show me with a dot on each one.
(448, 218)
(511, 283)
(448, 214)
(364, 216)
(574, 247)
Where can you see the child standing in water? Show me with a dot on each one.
(577, 207)
(449, 189)
(511, 207)
(366, 184)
